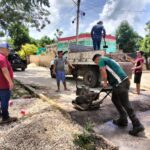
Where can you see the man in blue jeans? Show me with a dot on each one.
(96, 33)
(6, 83)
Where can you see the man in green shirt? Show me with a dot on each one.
(113, 74)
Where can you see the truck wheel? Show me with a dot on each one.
(91, 78)
(75, 73)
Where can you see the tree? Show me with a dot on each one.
(148, 27)
(58, 33)
(11, 43)
(2, 34)
(27, 50)
(33, 12)
(34, 41)
(45, 41)
(19, 34)
(127, 38)
(145, 45)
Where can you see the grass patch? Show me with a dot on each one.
(85, 140)
(89, 141)
(20, 92)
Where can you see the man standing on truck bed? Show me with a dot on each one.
(96, 33)
(112, 73)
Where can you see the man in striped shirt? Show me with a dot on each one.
(114, 75)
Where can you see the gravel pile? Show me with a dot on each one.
(42, 129)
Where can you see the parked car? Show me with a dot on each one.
(17, 62)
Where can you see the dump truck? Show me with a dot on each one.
(81, 57)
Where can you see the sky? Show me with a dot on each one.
(111, 12)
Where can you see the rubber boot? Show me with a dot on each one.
(137, 128)
(121, 122)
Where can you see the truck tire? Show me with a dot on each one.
(91, 78)
(74, 73)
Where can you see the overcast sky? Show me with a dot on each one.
(112, 12)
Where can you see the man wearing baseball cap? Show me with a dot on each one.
(6, 83)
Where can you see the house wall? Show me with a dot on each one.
(64, 44)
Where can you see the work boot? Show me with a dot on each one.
(137, 126)
(121, 122)
(136, 130)
(9, 120)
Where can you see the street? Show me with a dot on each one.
(39, 78)
(102, 47)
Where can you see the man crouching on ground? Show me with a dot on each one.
(6, 83)
(112, 73)
(59, 70)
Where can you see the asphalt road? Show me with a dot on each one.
(40, 77)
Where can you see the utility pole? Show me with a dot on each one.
(78, 19)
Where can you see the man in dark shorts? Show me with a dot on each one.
(59, 70)
(6, 84)
(112, 73)
(138, 70)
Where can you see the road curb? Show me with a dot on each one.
(44, 98)
(63, 111)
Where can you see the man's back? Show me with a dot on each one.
(97, 31)
(115, 73)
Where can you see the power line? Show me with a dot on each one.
(93, 7)
(74, 2)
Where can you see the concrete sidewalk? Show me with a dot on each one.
(121, 138)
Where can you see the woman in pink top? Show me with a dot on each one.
(139, 61)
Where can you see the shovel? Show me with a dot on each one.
(105, 45)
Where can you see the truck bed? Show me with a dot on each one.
(82, 56)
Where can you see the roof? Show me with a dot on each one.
(84, 36)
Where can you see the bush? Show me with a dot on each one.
(27, 50)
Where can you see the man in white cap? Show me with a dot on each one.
(6, 83)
